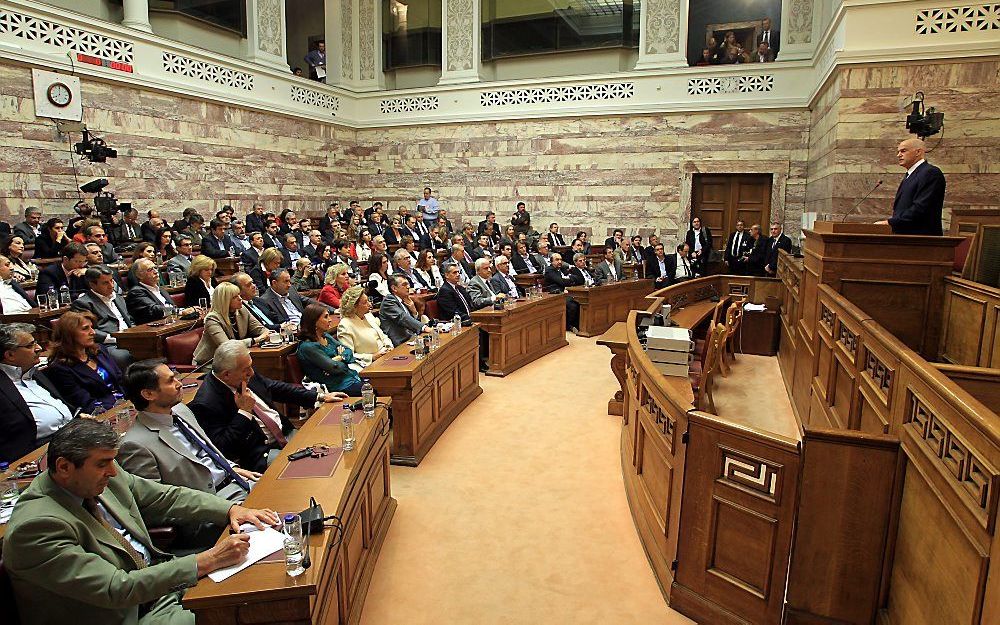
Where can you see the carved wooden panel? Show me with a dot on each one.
(964, 322)
(842, 396)
(901, 307)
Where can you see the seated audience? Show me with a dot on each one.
(108, 309)
(453, 298)
(509, 237)
(233, 406)
(148, 301)
(200, 281)
(142, 250)
(502, 280)
(584, 239)
(609, 269)
(398, 314)
(270, 259)
(557, 279)
(94, 256)
(68, 273)
(65, 569)
(762, 54)
(544, 254)
(404, 266)
(427, 269)
(324, 359)
(378, 278)
(291, 252)
(616, 238)
(194, 230)
(164, 245)
(251, 300)
(13, 298)
(31, 407)
(282, 302)
(306, 277)
(524, 262)
(251, 256)
(580, 272)
(336, 283)
(129, 230)
(461, 260)
(227, 320)
(480, 290)
(238, 237)
(553, 237)
(166, 443)
(360, 330)
(29, 229)
(394, 233)
(52, 240)
(216, 244)
(96, 234)
(86, 375)
(363, 249)
(13, 248)
(679, 265)
(630, 253)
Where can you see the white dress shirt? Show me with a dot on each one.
(166, 422)
(11, 300)
(909, 172)
(290, 309)
(110, 303)
(49, 413)
(156, 293)
(683, 268)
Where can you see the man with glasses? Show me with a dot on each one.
(148, 301)
(181, 262)
(31, 409)
(97, 235)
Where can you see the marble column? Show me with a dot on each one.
(663, 34)
(797, 27)
(136, 15)
(265, 42)
(461, 41)
(354, 44)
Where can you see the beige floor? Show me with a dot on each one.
(518, 514)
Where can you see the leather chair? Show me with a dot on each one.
(962, 254)
(179, 300)
(295, 374)
(180, 349)
(431, 309)
(8, 606)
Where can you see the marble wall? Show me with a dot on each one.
(174, 152)
(858, 120)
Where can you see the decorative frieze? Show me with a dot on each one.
(730, 84)
(663, 22)
(409, 105)
(269, 26)
(571, 93)
(749, 473)
(65, 37)
(347, 38)
(201, 70)
(849, 340)
(315, 98)
(876, 370)
(366, 41)
(826, 318)
(976, 17)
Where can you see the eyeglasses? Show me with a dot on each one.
(32, 344)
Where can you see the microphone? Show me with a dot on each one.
(190, 373)
(855, 207)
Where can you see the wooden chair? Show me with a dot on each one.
(703, 399)
(734, 317)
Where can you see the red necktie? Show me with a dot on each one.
(272, 426)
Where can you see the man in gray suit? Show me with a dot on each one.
(181, 262)
(397, 313)
(282, 302)
(168, 445)
(502, 281)
(483, 293)
(29, 228)
(610, 269)
(108, 307)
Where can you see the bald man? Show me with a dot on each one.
(920, 197)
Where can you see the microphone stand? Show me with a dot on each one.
(855, 207)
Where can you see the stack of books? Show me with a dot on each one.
(669, 349)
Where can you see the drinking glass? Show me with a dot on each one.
(203, 303)
(293, 545)
(8, 493)
(170, 310)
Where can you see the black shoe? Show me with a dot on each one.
(483, 367)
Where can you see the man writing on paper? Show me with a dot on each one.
(77, 547)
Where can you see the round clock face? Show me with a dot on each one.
(60, 94)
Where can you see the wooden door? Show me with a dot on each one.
(720, 200)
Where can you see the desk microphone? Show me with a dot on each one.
(197, 369)
(855, 207)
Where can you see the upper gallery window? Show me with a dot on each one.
(411, 33)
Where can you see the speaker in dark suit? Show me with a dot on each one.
(919, 200)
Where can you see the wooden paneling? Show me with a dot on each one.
(980, 382)
(603, 306)
(523, 332)
(720, 200)
(970, 324)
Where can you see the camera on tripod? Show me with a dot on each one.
(105, 202)
(94, 149)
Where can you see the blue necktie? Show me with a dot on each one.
(257, 312)
(219, 461)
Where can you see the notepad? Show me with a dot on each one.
(262, 544)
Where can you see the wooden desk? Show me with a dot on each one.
(34, 316)
(523, 332)
(272, 362)
(528, 280)
(603, 306)
(427, 394)
(150, 341)
(333, 590)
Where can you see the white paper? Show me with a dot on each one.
(262, 544)
(754, 307)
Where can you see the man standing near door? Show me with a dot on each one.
(738, 245)
(699, 241)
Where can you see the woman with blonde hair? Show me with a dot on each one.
(201, 280)
(359, 329)
(336, 284)
(270, 259)
(227, 320)
(82, 370)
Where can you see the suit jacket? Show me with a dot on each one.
(758, 256)
(122, 233)
(784, 243)
(107, 322)
(653, 269)
(266, 320)
(213, 248)
(152, 451)
(480, 292)
(520, 266)
(54, 277)
(147, 232)
(774, 44)
(756, 57)
(66, 567)
(450, 299)
(20, 291)
(467, 266)
(555, 239)
(391, 238)
(238, 437)
(493, 233)
(918, 203)
(215, 334)
(500, 285)
(255, 223)
(256, 273)
(325, 226)
(46, 248)
(603, 271)
(195, 289)
(179, 264)
(143, 306)
(276, 311)
(611, 242)
(556, 281)
(81, 387)
(734, 254)
(251, 257)
(24, 231)
(397, 321)
(270, 241)
(521, 222)
(578, 276)
(20, 432)
(706, 241)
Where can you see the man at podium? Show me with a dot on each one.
(920, 197)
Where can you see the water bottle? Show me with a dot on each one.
(456, 324)
(64, 297)
(368, 399)
(293, 545)
(435, 337)
(347, 427)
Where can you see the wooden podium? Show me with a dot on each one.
(897, 279)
